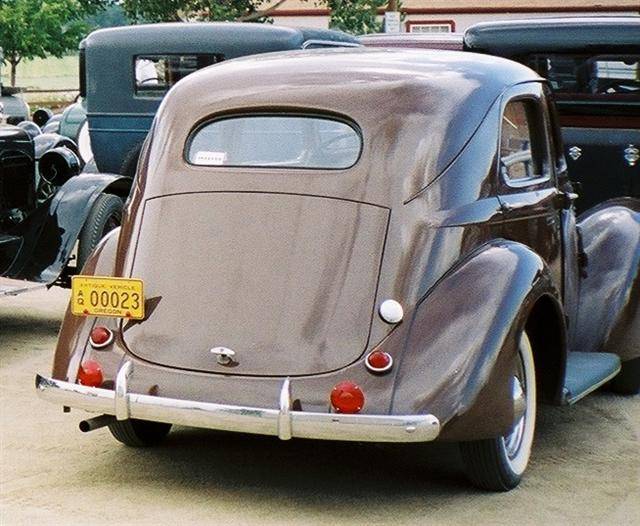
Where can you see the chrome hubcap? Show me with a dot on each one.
(513, 441)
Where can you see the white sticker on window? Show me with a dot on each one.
(210, 158)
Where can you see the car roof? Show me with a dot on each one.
(228, 38)
(430, 101)
(413, 69)
(601, 34)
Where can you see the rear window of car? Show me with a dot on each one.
(282, 141)
(602, 77)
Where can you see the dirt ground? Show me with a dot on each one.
(585, 467)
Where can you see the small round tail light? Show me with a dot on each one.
(379, 362)
(100, 337)
(347, 397)
(90, 374)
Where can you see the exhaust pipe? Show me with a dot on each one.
(97, 422)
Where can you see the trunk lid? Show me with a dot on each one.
(288, 282)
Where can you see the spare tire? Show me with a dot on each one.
(105, 215)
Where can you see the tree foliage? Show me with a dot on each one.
(113, 15)
(40, 28)
(207, 10)
(355, 16)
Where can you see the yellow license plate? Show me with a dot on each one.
(115, 297)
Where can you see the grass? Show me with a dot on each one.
(47, 74)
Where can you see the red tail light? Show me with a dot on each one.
(90, 374)
(100, 337)
(347, 397)
(379, 362)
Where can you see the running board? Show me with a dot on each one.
(586, 371)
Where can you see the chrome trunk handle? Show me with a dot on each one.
(223, 355)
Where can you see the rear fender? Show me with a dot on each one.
(74, 333)
(49, 251)
(463, 338)
(609, 307)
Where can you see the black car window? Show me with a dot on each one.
(557, 149)
(603, 77)
(155, 74)
(286, 141)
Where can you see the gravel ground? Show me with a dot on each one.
(585, 467)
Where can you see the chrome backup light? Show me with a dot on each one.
(391, 311)
(100, 337)
(379, 362)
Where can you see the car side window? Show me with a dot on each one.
(155, 74)
(522, 144)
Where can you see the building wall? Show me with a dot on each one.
(460, 14)
(461, 21)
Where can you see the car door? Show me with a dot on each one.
(572, 254)
(527, 186)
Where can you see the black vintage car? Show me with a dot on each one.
(46, 206)
(593, 68)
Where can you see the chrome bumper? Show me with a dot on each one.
(281, 422)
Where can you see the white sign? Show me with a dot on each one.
(392, 22)
(210, 158)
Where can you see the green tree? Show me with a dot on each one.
(112, 16)
(355, 16)
(183, 10)
(40, 28)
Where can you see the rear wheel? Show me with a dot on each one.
(139, 433)
(497, 464)
(105, 215)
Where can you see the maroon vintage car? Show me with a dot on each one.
(354, 245)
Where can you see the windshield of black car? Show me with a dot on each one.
(285, 141)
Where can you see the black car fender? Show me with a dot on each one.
(67, 213)
(100, 263)
(609, 307)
